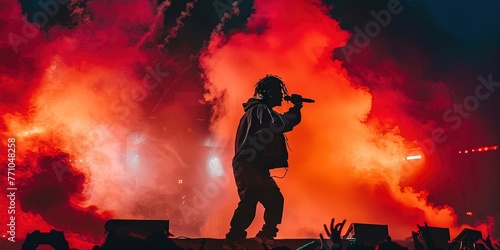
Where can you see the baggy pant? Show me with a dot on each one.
(256, 186)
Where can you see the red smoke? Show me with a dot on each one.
(78, 99)
(72, 100)
(347, 154)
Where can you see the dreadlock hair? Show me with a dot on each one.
(264, 85)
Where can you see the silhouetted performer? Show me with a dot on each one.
(261, 145)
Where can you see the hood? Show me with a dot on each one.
(251, 102)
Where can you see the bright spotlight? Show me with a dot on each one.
(413, 157)
(133, 159)
(214, 167)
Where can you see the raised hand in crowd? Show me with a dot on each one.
(333, 234)
(426, 235)
(416, 241)
(488, 243)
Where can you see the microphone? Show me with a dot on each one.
(297, 98)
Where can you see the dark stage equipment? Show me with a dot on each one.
(467, 239)
(137, 235)
(368, 234)
(440, 236)
(53, 238)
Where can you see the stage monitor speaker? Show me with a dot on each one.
(440, 236)
(54, 238)
(368, 234)
(136, 228)
(469, 236)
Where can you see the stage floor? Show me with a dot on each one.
(195, 243)
(212, 244)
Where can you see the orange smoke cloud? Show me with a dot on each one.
(341, 165)
(79, 114)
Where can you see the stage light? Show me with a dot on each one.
(481, 149)
(469, 213)
(214, 167)
(414, 157)
(180, 181)
(133, 158)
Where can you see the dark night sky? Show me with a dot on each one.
(459, 41)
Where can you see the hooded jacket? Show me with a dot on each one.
(260, 139)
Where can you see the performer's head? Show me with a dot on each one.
(271, 90)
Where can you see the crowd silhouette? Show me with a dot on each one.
(332, 239)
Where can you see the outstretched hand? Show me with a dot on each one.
(333, 234)
(488, 243)
(426, 234)
(418, 244)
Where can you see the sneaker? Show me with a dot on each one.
(264, 240)
(234, 245)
